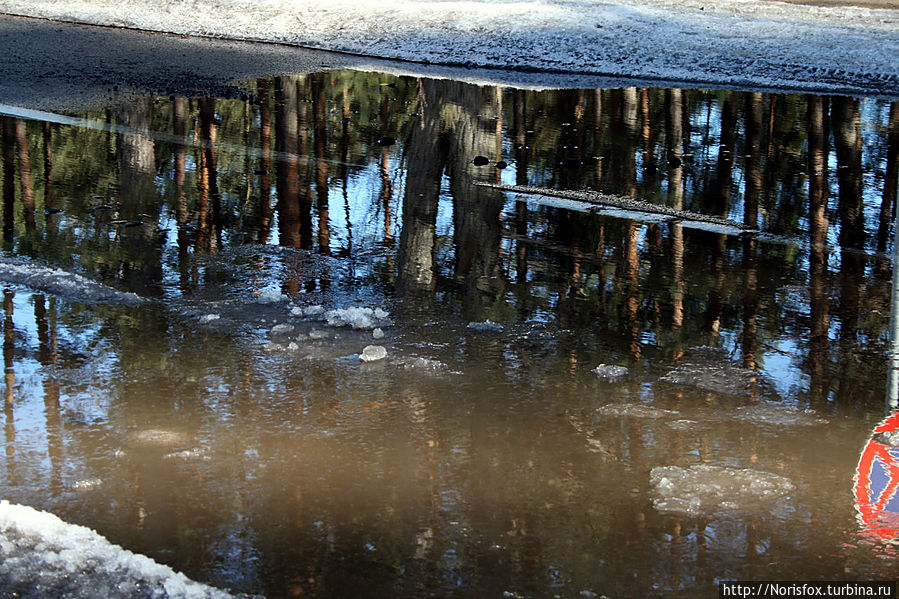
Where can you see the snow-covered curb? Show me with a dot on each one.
(728, 42)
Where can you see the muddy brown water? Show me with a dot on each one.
(225, 425)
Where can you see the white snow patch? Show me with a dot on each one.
(43, 556)
(731, 42)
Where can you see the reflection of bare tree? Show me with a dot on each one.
(476, 210)
(9, 173)
(320, 116)
(818, 225)
(47, 355)
(265, 162)
(209, 214)
(890, 183)
(674, 139)
(9, 336)
(753, 169)
(47, 143)
(846, 116)
(427, 153)
(26, 183)
(720, 207)
(179, 128)
(291, 179)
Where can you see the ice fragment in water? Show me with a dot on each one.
(610, 372)
(378, 333)
(296, 311)
(703, 488)
(636, 411)
(318, 334)
(270, 296)
(209, 318)
(725, 379)
(372, 353)
(313, 310)
(279, 329)
(488, 326)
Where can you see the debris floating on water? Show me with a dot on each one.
(488, 326)
(610, 372)
(702, 487)
(373, 353)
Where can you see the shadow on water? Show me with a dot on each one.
(578, 399)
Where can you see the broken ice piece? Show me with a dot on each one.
(488, 326)
(372, 353)
(610, 372)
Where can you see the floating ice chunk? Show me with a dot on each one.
(293, 346)
(725, 379)
(42, 556)
(280, 329)
(272, 347)
(636, 411)
(372, 353)
(610, 372)
(87, 484)
(315, 334)
(296, 311)
(378, 333)
(158, 437)
(62, 283)
(189, 455)
(381, 314)
(705, 488)
(313, 310)
(777, 415)
(488, 326)
(206, 318)
(270, 296)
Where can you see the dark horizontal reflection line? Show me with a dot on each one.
(634, 209)
(186, 140)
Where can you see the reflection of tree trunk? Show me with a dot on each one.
(47, 143)
(320, 110)
(9, 173)
(846, 118)
(287, 173)
(427, 154)
(141, 265)
(9, 336)
(818, 225)
(211, 218)
(519, 110)
(9, 347)
(179, 128)
(476, 210)
(721, 207)
(890, 182)
(752, 166)
(25, 180)
(265, 162)
(47, 356)
(674, 135)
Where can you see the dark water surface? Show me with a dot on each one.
(224, 424)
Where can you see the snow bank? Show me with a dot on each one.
(42, 556)
(725, 42)
(64, 284)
